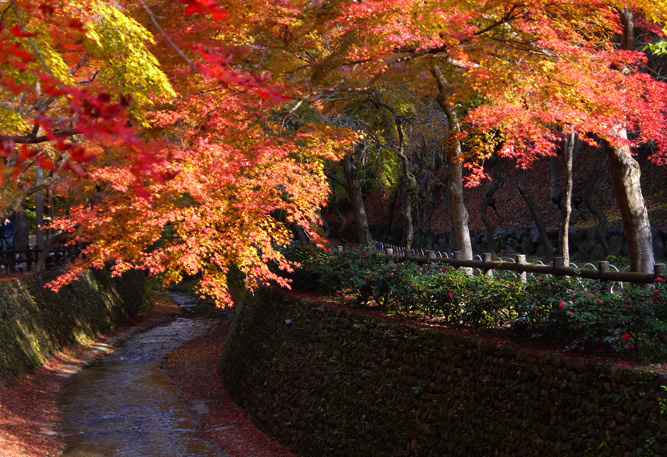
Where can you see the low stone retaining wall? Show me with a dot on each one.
(36, 323)
(330, 382)
(584, 243)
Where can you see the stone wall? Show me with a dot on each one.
(36, 322)
(330, 382)
(584, 244)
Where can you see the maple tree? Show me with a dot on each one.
(523, 74)
(61, 91)
(197, 160)
(192, 171)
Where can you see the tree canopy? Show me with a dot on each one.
(193, 136)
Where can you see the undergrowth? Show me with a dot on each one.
(569, 312)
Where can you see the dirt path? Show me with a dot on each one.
(29, 414)
(28, 409)
(194, 369)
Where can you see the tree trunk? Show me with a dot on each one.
(585, 189)
(627, 185)
(410, 180)
(410, 192)
(50, 242)
(636, 226)
(21, 234)
(408, 225)
(392, 208)
(430, 209)
(341, 218)
(459, 211)
(554, 192)
(353, 188)
(497, 181)
(299, 233)
(567, 210)
(544, 236)
(326, 228)
(454, 158)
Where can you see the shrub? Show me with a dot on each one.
(305, 276)
(588, 315)
(430, 290)
(567, 312)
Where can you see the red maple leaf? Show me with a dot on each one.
(204, 7)
(17, 32)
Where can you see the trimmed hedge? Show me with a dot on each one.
(36, 322)
(330, 382)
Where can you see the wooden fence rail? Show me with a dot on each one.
(24, 260)
(519, 265)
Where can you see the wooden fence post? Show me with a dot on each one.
(486, 257)
(603, 267)
(521, 259)
(558, 263)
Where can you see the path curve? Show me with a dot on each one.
(194, 369)
(29, 421)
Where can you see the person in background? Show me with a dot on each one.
(7, 235)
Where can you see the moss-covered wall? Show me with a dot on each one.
(36, 322)
(333, 383)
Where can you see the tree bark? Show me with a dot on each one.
(353, 188)
(410, 191)
(454, 158)
(21, 234)
(326, 228)
(341, 218)
(44, 255)
(430, 209)
(408, 224)
(497, 181)
(626, 176)
(591, 181)
(627, 184)
(554, 192)
(567, 210)
(544, 236)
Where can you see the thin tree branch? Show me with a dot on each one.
(166, 37)
(336, 178)
(81, 63)
(9, 6)
(33, 45)
(32, 138)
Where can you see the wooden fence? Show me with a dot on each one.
(14, 261)
(519, 265)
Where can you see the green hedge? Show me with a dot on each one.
(36, 322)
(329, 382)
